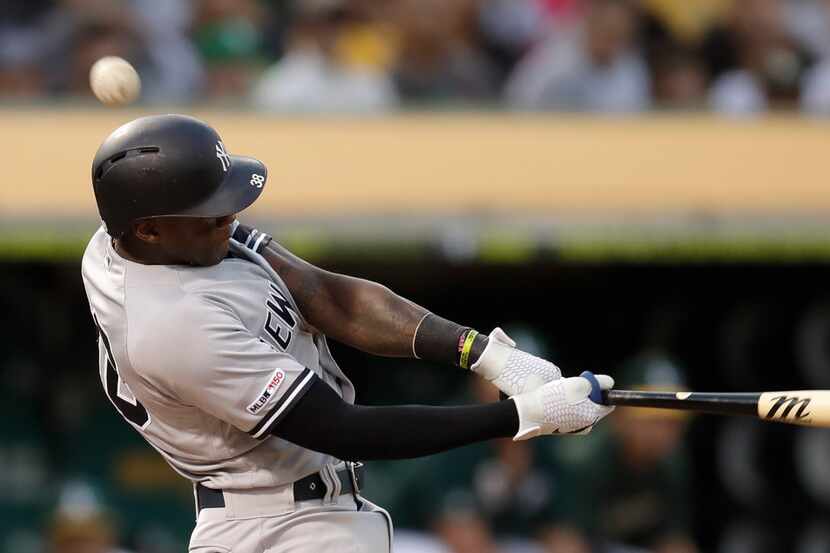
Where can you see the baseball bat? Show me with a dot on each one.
(802, 407)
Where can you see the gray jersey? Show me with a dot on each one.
(205, 361)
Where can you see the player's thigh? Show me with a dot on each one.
(332, 532)
(216, 534)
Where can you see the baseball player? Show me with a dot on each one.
(212, 343)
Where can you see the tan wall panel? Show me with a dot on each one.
(457, 163)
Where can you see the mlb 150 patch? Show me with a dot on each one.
(268, 392)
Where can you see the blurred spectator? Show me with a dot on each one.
(20, 80)
(686, 22)
(669, 34)
(816, 96)
(173, 71)
(509, 28)
(464, 531)
(493, 497)
(754, 62)
(625, 485)
(337, 61)
(81, 524)
(228, 37)
(439, 59)
(594, 67)
(21, 47)
(679, 80)
(808, 21)
(279, 18)
(563, 9)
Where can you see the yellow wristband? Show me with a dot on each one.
(467, 348)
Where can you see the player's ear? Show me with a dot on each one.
(147, 230)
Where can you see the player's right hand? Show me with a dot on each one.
(510, 369)
(560, 407)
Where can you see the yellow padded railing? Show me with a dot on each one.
(457, 164)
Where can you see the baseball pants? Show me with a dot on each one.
(313, 527)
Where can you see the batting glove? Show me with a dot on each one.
(561, 407)
(512, 370)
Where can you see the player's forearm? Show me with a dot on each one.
(322, 421)
(367, 315)
(372, 318)
(376, 320)
(357, 312)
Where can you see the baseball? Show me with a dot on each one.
(114, 81)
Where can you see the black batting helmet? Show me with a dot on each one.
(170, 165)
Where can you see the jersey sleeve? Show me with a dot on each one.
(227, 372)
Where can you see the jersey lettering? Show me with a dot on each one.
(275, 332)
(129, 407)
(279, 306)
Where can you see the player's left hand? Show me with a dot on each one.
(512, 370)
(565, 406)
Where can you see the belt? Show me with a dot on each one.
(310, 487)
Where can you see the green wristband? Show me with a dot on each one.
(466, 348)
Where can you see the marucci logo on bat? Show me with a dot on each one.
(791, 402)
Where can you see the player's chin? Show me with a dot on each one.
(221, 251)
(214, 256)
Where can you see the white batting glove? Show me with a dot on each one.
(512, 370)
(561, 407)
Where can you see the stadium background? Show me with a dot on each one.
(630, 187)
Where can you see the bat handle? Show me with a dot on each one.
(597, 395)
(596, 390)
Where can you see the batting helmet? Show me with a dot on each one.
(170, 165)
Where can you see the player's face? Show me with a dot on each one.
(195, 241)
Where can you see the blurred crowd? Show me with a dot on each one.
(620, 56)
(625, 488)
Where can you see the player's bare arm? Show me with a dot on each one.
(363, 314)
(370, 317)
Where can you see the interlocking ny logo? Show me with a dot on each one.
(223, 156)
(791, 403)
